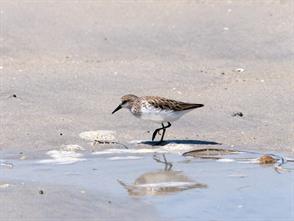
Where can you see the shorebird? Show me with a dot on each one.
(157, 109)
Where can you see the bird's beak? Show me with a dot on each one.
(116, 109)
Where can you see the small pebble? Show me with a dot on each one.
(23, 158)
(266, 159)
(237, 114)
(240, 70)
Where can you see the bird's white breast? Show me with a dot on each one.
(158, 115)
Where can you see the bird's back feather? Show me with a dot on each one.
(168, 104)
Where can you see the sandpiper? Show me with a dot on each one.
(157, 109)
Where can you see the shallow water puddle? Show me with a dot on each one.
(203, 186)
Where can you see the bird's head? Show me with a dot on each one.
(126, 102)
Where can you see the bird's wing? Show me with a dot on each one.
(163, 103)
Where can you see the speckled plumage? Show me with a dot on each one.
(152, 106)
(156, 109)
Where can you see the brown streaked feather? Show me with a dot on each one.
(164, 103)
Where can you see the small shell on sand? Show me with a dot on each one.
(103, 136)
(267, 159)
(4, 185)
(23, 158)
(240, 70)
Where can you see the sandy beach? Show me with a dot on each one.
(65, 65)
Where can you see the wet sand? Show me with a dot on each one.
(24, 202)
(112, 186)
(65, 65)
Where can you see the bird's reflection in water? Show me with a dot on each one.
(161, 183)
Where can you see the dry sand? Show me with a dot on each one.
(69, 62)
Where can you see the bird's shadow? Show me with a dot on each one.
(191, 142)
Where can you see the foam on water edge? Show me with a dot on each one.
(62, 157)
(125, 158)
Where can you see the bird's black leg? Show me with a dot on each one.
(155, 133)
(164, 129)
(163, 133)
